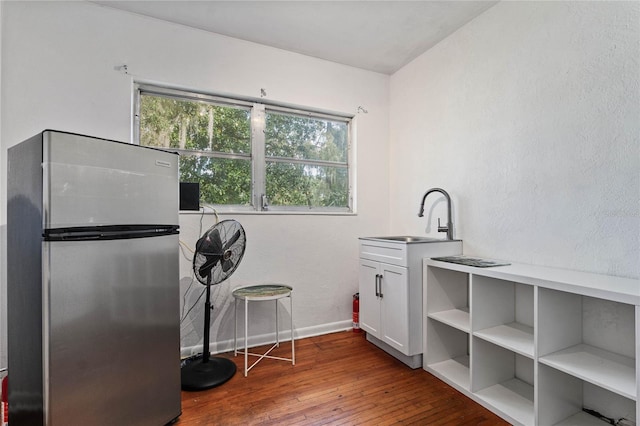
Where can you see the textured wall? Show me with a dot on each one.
(58, 72)
(528, 116)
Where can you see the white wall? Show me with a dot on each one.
(529, 117)
(58, 62)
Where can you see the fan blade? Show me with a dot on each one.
(201, 242)
(209, 264)
(216, 242)
(232, 240)
(210, 242)
(226, 265)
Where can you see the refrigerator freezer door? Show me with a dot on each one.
(99, 182)
(112, 353)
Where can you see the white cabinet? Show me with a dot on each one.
(390, 282)
(535, 345)
(370, 318)
(383, 303)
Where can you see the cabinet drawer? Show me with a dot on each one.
(394, 254)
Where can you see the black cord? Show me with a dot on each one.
(183, 316)
(184, 300)
(194, 304)
(201, 217)
(600, 416)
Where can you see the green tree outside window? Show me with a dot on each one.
(306, 157)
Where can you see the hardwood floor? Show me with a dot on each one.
(338, 379)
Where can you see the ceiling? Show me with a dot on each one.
(380, 36)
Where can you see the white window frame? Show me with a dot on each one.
(259, 108)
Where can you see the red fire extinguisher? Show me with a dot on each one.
(5, 401)
(356, 313)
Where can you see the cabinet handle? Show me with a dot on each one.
(379, 285)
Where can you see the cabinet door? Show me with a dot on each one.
(394, 305)
(369, 301)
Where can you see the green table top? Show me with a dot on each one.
(263, 291)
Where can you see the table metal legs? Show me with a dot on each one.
(246, 336)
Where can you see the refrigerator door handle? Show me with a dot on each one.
(111, 232)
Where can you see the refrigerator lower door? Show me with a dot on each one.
(111, 332)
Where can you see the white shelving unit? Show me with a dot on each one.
(535, 345)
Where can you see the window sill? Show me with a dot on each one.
(267, 213)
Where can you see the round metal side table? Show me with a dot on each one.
(259, 293)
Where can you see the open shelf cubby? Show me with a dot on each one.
(562, 399)
(448, 355)
(503, 379)
(590, 339)
(503, 313)
(447, 298)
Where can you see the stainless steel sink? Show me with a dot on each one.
(407, 239)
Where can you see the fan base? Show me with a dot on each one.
(198, 375)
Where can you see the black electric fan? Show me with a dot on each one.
(218, 253)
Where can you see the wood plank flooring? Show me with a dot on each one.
(338, 379)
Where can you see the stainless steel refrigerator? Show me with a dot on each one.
(93, 284)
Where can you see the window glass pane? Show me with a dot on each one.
(306, 153)
(305, 138)
(186, 124)
(222, 180)
(306, 185)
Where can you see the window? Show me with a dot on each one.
(251, 156)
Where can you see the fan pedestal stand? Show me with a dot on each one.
(216, 257)
(207, 372)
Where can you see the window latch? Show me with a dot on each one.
(264, 201)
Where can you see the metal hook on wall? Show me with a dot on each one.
(361, 109)
(124, 68)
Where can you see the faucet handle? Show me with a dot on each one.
(442, 228)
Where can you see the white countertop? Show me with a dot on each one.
(624, 290)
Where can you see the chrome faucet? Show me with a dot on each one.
(449, 228)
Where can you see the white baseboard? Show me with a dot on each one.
(265, 339)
